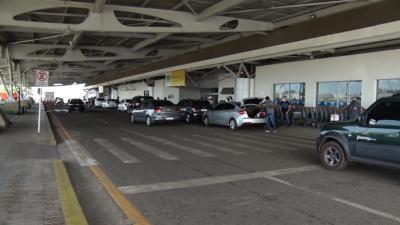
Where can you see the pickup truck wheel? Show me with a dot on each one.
(332, 156)
(232, 124)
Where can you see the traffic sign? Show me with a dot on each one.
(42, 78)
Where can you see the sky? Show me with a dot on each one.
(66, 92)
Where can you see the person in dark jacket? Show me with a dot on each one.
(354, 109)
(285, 110)
(270, 118)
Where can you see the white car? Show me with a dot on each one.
(109, 104)
(98, 102)
(123, 105)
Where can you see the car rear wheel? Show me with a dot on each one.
(188, 118)
(232, 124)
(332, 156)
(148, 121)
(206, 121)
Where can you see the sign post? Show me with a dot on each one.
(42, 80)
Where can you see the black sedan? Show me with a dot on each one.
(76, 105)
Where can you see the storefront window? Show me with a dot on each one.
(387, 88)
(293, 91)
(338, 93)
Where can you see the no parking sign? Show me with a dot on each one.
(42, 78)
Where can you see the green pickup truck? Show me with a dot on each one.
(374, 138)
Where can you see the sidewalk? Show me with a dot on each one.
(28, 185)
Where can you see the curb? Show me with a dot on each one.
(52, 137)
(72, 210)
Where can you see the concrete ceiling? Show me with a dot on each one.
(79, 40)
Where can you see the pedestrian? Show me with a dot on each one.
(211, 101)
(270, 118)
(354, 109)
(286, 110)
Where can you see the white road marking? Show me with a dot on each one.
(245, 146)
(103, 121)
(207, 145)
(340, 200)
(116, 151)
(209, 180)
(367, 209)
(173, 144)
(81, 154)
(150, 149)
(265, 142)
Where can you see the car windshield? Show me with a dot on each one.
(201, 104)
(161, 103)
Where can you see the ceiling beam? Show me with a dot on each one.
(23, 52)
(75, 39)
(148, 42)
(106, 21)
(217, 8)
(99, 6)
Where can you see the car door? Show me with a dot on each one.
(379, 138)
(221, 116)
(212, 114)
(140, 112)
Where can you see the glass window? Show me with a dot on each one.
(293, 91)
(228, 91)
(387, 88)
(338, 93)
(385, 114)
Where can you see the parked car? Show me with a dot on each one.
(232, 115)
(192, 110)
(373, 138)
(98, 102)
(135, 102)
(76, 105)
(60, 106)
(124, 105)
(108, 104)
(155, 111)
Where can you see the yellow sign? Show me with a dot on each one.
(176, 78)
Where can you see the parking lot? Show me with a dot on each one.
(192, 174)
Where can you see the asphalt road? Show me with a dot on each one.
(191, 174)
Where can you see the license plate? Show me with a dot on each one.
(169, 118)
(204, 110)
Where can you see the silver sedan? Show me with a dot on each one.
(233, 116)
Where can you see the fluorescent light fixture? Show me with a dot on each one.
(57, 84)
(70, 42)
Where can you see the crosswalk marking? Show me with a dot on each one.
(173, 144)
(266, 142)
(210, 180)
(150, 149)
(81, 154)
(207, 145)
(247, 146)
(116, 151)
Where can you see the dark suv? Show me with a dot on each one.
(192, 109)
(374, 138)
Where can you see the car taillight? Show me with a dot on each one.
(157, 110)
(243, 112)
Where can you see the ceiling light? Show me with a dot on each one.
(70, 42)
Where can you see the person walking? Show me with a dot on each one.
(270, 118)
(354, 109)
(285, 110)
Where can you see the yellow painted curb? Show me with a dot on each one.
(72, 210)
(52, 137)
(130, 211)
